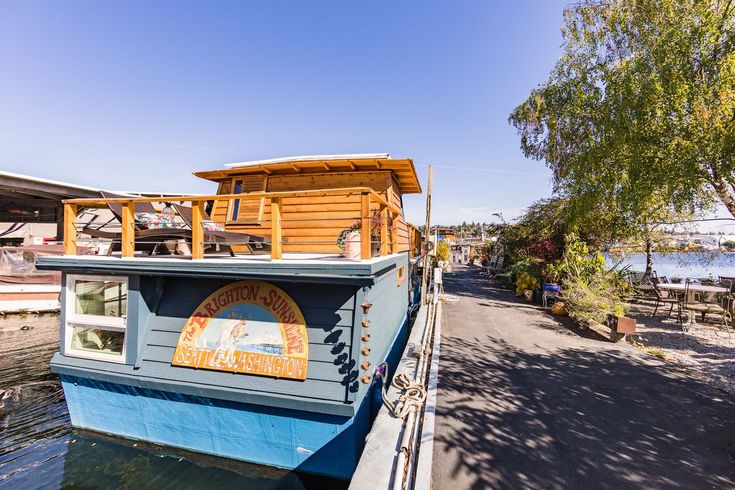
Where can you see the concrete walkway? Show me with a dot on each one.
(525, 403)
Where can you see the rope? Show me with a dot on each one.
(413, 393)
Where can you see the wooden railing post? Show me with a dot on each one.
(70, 229)
(393, 232)
(276, 230)
(365, 246)
(383, 231)
(128, 229)
(197, 230)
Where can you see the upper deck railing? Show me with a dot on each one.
(370, 203)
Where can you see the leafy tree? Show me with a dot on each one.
(443, 251)
(638, 115)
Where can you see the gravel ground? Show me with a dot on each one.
(705, 350)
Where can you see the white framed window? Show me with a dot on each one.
(96, 312)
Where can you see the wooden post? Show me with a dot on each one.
(128, 229)
(393, 232)
(365, 246)
(197, 230)
(427, 233)
(276, 229)
(70, 229)
(383, 231)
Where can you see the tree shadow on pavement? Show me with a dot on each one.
(496, 294)
(574, 418)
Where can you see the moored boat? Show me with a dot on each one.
(23, 288)
(246, 324)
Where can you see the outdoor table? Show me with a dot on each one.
(693, 288)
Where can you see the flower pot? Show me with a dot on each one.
(559, 309)
(352, 245)
(528, 294)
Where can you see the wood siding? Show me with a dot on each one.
(312, 224)
(334, 326)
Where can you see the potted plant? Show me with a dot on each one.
(526, 284)
(552, 274)
(349, 240)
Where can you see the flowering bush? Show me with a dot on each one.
(544, 250)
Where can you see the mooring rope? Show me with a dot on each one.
(413, 394)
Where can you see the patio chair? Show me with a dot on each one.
(493, 271)
(150, 240)
(490, 265)
(724, 279)
(147, 240)
(663, 297)
(715, 303)
(641, 285)
(226, 238)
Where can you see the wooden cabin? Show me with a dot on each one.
(293, 205)
(311, 223)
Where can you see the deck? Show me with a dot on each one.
(294, 267)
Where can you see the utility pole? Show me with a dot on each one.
(427, 236)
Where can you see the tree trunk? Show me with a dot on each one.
(649, 256)
(724, 191)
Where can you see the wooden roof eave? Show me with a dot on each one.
(403, 169)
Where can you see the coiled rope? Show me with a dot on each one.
(413, 394)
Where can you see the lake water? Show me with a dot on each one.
(679, 264)
(40, 450)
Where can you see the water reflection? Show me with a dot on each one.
(39, 449)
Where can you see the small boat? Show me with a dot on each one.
(23, 288)
(248, 323)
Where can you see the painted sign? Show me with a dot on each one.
(248, 327)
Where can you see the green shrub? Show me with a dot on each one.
(443, 251)
(591, 292)
(594, 297)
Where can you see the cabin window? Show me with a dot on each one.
(247, 211)
(96, 317)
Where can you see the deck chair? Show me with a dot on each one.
(150, 240)
(490, 265)
(255, 243)
(718, 303)
(664, 297)
(493, 271)
(146, 240)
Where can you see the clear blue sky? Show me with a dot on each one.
(136, 95)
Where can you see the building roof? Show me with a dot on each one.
(27, 186)
(19, 185)
(402, 168)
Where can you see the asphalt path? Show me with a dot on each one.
(524, 402)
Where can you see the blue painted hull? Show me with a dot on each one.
(292, 439)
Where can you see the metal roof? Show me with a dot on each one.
(26, 186)
(309, 158)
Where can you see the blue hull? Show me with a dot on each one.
(292, 439)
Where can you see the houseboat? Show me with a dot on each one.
(246, 324)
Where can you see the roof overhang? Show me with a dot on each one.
(402, 168)
(25, 186)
